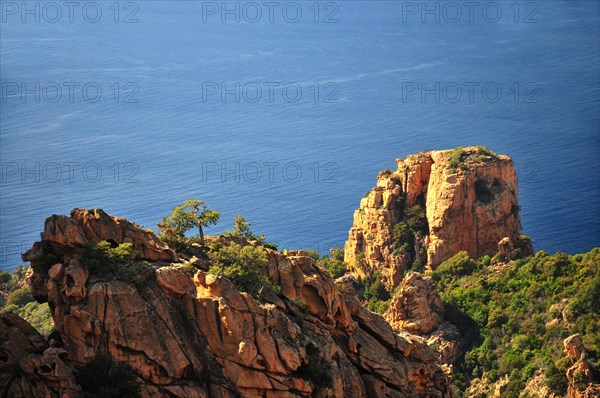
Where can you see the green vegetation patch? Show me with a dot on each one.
(20, 297)
(107, 260)
(20, 301)
(334, 264)
(44, 261)
(415, 222)
(459, 157)
(373, 293)
(317, 369)
(192, 213)
(105, 377)
(245, 267)
(504, 312)
(241, 227)
(36, 314)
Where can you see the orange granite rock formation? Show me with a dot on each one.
(192, 334)
(580, 375)
(470, 202)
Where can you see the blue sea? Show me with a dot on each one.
(284, 112)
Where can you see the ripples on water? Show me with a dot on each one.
(170, 133)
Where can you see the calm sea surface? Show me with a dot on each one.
(285, 112)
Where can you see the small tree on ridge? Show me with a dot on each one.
(190, 214)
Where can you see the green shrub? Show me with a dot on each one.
(580, 378)
(176, 242)
(416, 220)
(20, 272)
(335, 264)
(404, 231)
(401, 201)
(103, 259)
(361, 262)
(485, 260)
(556, 378)
(587, 299)
(245, 267)
(417, 266)
(38, 315)
(22, 303)
(508, 309)
(121, 252)
(458, 157)
(455, 158)
(106, 261)
(241, 227)
(314, 254)
(136, 271)
(20, 297)
(337, 253)
(485, 151)
(317, 370)
(336, 268)
(499, 258)
(467, 326)
(271, 245)
(373, 293)
(105, 377)
(378, 307)
(402, 234)
(44, 261)
(376, 289)
(5, 277)
(458, 265)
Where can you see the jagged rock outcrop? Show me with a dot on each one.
(28, 367)
(447, 341)
(417, 308)
(470, 201)
(581, 375)
(191, 334)
(66, 235)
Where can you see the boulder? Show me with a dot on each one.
(416, 307)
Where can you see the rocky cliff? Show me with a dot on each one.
(188, 333)
(417, 308)
(583, 383)
(28, 366)
(434, 205)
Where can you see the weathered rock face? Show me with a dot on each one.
(66, 235)
(471, 211)
(447, 341)
(574, 346)
(581, 376)
(28, 367)
(192, 334)
(470, 200)
(416, 307)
